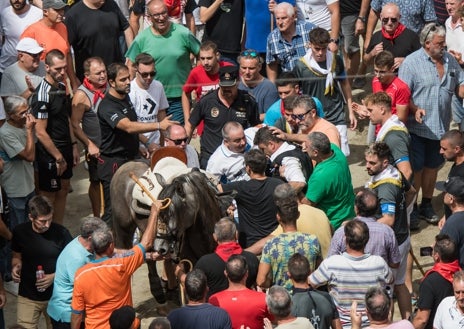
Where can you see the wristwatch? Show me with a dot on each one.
(336, 41)
(363, 19)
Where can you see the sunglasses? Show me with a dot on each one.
(34, 56)
(250, 53)
(299, 116)
(147, 74)
(392, 19)
(179, 141)
(432, 29)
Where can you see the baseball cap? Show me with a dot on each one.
(454, 185)
(55, 4)
(124, 318)
(228, 76)
(29, 45)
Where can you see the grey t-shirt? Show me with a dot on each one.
(14, 79)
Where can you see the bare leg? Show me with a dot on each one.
(429, 178)
(95, 198)
(404, 300)
(59, 202)
(408, 280)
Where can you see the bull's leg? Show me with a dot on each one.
(156, 288)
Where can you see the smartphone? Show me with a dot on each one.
(426, 251)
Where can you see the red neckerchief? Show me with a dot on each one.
(446, 270)
(227, 249)
(96, 92)
(396, 34)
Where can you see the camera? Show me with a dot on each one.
(426, 251)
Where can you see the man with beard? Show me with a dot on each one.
(452, 149)
(305, 115)
(84, 121)
(119, 130)
(51, 33)
(431, 88)
(13, 20)
(203, 78)
(56, 149)
(227, 103)
(387, 182)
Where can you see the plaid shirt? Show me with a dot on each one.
(287, 53)
(430, 93)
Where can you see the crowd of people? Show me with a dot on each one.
(266, 86)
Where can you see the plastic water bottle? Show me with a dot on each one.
(39, 274)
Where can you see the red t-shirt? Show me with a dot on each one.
(398, 90)
(245, 307)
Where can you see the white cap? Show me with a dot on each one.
(29, 45)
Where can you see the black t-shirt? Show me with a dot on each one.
(114, 141)
(454, 227)
(350, 7)
(317, 306)
(256, 208)
(456, 170)
(38, 249)
(95, 32)
(215, 114)
(403, 45)
(52, 103)
(214, 267)
(432, 291)
(225, 27)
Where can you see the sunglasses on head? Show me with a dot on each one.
(250, 53)
(392, 19)
(433, 28)
(179, 141)
(147, 74)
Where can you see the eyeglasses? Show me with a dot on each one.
(391, 19)
(433, 28)
(34, 56)
(250, 53)
(145, 75)
(159, 15)
(179, 141)
(299, 116)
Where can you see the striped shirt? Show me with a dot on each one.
(348, 278)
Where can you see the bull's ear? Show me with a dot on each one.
(160, 179)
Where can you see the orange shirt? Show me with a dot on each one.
(327, 128)
(104, 285)
(48, 37)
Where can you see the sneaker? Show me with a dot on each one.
(427, 213)
(414, 220)
(11, 287)
(359, 83)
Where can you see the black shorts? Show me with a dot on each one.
(92, 163)
(49, 181)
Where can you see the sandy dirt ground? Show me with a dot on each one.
(78, 206)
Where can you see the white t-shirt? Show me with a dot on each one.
(147, 104)
(11, 27)
(454, 37)
(293, 166)
(448, 316)
(316, 12)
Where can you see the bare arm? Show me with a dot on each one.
(147, 238)
(257, 247)
(16, 265)
(460, 91)
(161, 117)
(272, 70)
(70, 72)
(80, 104)
(4, 231)
(262, 279)
(387, 219)
(334, 9)
(76, 320)
(134, 22)
(371, 23)
(402, 111)
(128, 36)
(134, 127)
(421, 318)
(207, 12)
(346, 89)
(186, 105)
(336, 324)
(190, 23)
(44, 138)
(28, 153)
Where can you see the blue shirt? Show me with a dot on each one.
(287, 53)
(73, 256)
(430, 93)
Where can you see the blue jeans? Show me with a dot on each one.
(19, 209)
